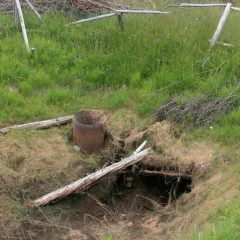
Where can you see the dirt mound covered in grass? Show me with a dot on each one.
(161, 196)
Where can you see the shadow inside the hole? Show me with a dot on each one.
(148, 192)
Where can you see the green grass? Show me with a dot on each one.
(225, 223)
(95, 65)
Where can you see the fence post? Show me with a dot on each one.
(15, 13)
(120, 19)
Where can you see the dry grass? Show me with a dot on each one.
(33, 163)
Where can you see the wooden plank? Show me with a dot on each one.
(221, 24)
(38, 15)
(141, 12)
(39, 124)
(90, 179)
(91, 19)
(197, 5)
(19, 9)
(165, 173)
(235, 8)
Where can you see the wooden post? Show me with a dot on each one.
(221, 24)
(120, 19)
(15, 13)
(19, 9)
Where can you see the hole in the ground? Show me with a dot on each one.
(147, 191)
(134, 192)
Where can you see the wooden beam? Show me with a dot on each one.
(38, 15)
(91, 19)
(40, 124)
(90, 179)
(235, 8)
(19, 9)
(165, 173)
(141, 12)
(221, 24)
(197, 5)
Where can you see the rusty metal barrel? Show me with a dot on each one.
(88, 130)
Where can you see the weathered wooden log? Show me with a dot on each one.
(221, 24)
(90, 179)
(40, 124)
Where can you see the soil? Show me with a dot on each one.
(90, 117)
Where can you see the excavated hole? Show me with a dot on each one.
(131, 193)
(148, 191)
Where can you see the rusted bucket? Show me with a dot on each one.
(88, 131)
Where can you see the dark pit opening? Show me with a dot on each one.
(148, 191)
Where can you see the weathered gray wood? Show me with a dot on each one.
(120, 20)
(90, 179)
(40, 124)
(15, 13)
(235, 8)
(19, 9)
(165, 173)
(221, 24)
(141, 11)
(31, 6)
(91, 19)
(140, 147)
(119, 14)
(197, 5)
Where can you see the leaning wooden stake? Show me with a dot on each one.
(19, 9)
(38, 15)
(40, 124)
(91, 19)
(85, 182)
(221, 24)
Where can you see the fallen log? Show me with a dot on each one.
(40, 124)
(90, 179)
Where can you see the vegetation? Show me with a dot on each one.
(96, 65)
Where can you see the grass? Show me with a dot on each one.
(95, 65)
(73, 64)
